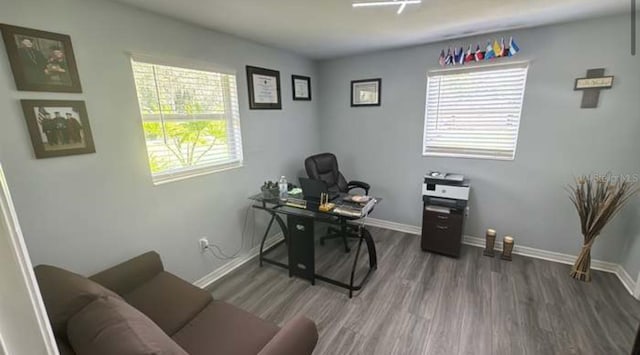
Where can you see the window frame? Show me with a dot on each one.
(174, 175)
(473, 68)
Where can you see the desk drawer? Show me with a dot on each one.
(449, 219)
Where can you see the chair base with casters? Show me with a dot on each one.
(346, 231)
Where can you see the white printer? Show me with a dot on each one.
(445, 189)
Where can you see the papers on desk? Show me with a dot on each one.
(357, 198)
(357, 212)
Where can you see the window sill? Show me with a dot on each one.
(167, 178)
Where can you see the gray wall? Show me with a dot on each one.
(90, 211)
(558, 140)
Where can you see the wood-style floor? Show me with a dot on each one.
(422, 303)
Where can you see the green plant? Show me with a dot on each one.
(187, 141)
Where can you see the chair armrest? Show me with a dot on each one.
(355, 184)
(299, 336)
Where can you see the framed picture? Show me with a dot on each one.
(264, 89)
(58, 128)
(366, 92)
(301, 87)
(41, 61)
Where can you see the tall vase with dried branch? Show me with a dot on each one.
(597, 200)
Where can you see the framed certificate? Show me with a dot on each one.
(366, 92)
(264, 89)
(301, 87)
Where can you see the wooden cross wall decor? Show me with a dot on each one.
(591, 86)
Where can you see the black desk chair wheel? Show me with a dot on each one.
(325, 167)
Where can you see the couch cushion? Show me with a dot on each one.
(65, 293)
(227, 329)
(169, 301)
(110, 326)
(127, 276)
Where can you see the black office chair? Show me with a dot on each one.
(325, 167)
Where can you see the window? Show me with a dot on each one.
(474, 112)
(190, 119)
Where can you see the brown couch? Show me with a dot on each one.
(138, 308)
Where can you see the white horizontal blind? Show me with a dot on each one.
(474, 112)
(190, 118)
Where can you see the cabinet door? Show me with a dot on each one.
(301, 247)
(442, 232)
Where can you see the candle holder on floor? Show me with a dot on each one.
(490, 243)
(507, 248)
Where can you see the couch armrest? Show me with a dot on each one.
(299, 336)
(129, 275)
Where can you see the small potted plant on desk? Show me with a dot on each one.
(270, 190)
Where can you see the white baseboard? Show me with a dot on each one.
(234, 264)
(617, 269)
(381, 223)
(626, 280)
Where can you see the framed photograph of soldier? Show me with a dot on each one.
(58, 128)
(41, 61)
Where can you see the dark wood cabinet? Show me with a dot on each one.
(442, 232)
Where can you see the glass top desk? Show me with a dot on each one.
(299, 236)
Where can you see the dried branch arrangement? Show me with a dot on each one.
(597, 201)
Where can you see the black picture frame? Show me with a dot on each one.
(255, 104)
(366, 103)
(300, 96)
(41, 61)
(52, 137)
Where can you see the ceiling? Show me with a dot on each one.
(322, 29)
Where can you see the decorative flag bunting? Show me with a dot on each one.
(505, 49)
(493, 50)
(448, 60)
(497, 49)
(489, 54)
(513, 47)
(469, 57)
(479, 55)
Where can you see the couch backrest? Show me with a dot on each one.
(129, 275)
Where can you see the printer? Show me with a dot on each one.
(445, 197)
(446, 189)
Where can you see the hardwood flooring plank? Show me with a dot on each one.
(423, 303)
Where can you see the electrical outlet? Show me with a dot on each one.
(204, 244)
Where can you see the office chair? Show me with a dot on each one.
(325, 167)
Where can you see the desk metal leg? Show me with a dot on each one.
(283, 227)
(371, 248)
(264, 238)
(355, 264)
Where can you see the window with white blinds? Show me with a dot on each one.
(190, 118)
(474, 112)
